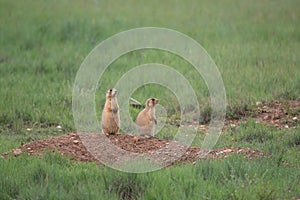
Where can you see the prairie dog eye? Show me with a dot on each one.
(154, 100)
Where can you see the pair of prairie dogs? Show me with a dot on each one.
(111, 117)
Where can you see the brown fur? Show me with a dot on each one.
(110, 113)
(146, 118)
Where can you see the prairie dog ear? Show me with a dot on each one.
(114, 91)
(108, 92)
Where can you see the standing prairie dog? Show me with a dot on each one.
(110, 113)
(146, 118)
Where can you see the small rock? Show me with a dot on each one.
(266, 117)
(295, 118)
(59, 127)
(286, 126)
(29, 129)
(135, 139)
(227, 150)
(202, 127)
(258, 103)
(240, 150)
(75, 141)
(17, 152)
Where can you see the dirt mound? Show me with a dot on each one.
(72, 145)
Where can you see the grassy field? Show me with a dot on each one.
(256, 46)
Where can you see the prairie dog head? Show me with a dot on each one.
(151, 102)
(111, 93)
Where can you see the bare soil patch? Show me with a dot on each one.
(280, 114)
(71, 145)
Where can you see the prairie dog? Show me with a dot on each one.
(146, 118)
(110, 113)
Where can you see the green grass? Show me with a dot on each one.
(256, 46)
(55, 177)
